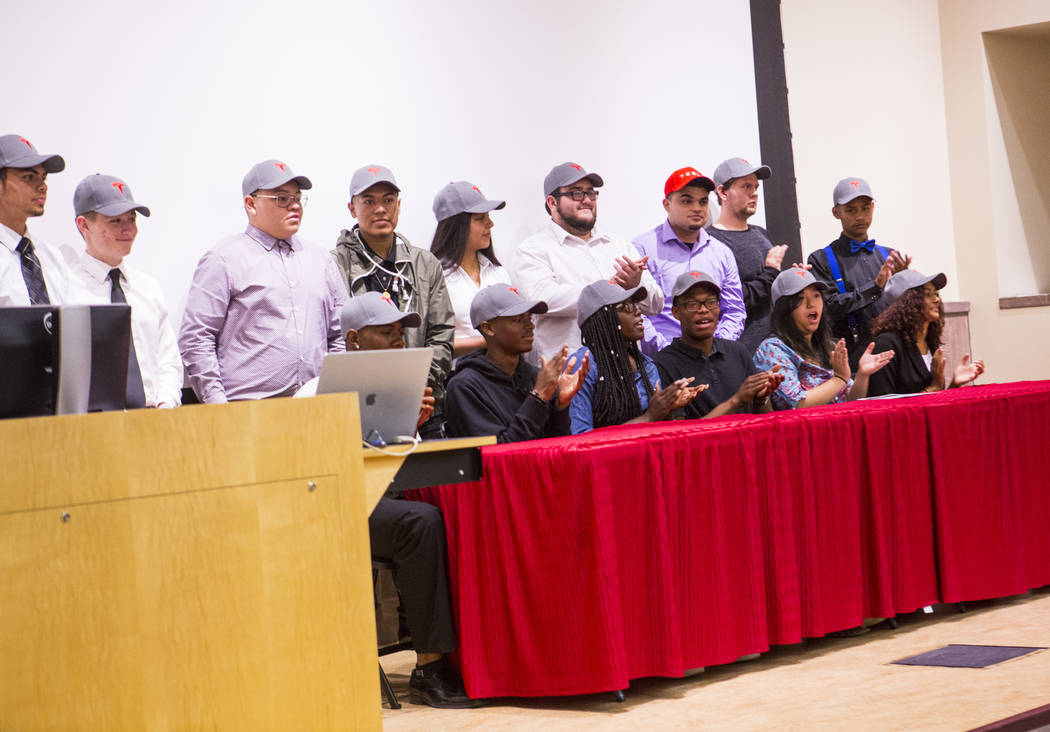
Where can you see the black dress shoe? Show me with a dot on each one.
(439, 685)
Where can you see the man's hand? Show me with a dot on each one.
(775, 256)
(629, 271)
(894, 263)
(759, 386)
(547, 378)
(426, 409)
(672, 397)
(569, 383)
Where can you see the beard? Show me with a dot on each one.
(578, 223)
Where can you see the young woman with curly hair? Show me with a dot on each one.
(912, 327)
(623, 384)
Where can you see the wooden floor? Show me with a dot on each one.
(820, 684)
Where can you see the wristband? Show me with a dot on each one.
(535, 395)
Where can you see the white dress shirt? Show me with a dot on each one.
(554, 266)
(57, 275)
(462, 289)
(151, 326)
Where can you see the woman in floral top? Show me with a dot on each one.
(815, 371)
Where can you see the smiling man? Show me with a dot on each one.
(566, 255)
(373, 257)
(494, 391)
(264, 306)
(107, 219)
(734, 383)
(31, 273)
(680, 245)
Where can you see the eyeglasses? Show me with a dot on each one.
(578, 195)
(283, 200)
(630, 307)
(694, 306)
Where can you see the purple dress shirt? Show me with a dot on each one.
(670, 257)
(260, 316)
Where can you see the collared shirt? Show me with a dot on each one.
(670, 257)
(260, 315)
(799, 374)
(723, 370)
(151, 327)
(581, 409)
(57, 273)
(554, 266)
(462, 289)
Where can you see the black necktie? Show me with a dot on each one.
(33, 274)
(135, 397)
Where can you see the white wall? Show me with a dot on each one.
(181, 99)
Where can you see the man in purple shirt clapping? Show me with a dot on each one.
(264, 306)
(679, 245)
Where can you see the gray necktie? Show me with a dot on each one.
(135, 397)
(32, 274)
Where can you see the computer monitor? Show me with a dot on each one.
(63, 360)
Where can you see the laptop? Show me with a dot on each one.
(389, 385)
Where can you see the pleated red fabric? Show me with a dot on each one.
(580, 563)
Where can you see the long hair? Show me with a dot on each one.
(450, 241)
(783, 322)
(615, 397)
(905, 316)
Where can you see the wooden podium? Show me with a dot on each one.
(203, 567)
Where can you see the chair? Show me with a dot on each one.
(403, 642)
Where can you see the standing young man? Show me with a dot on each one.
(567, 254)
(855, 268)
(107, 219)
(264, 306)
(373, 257)
(757, 259)
(31, 273)
(680, 245)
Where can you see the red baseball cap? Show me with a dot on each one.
(686, 176)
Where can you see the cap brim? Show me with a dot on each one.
(939, 280)
(762, 172)
(51, 163)
(536, 307)
(843, 201)
(709, 283)
(637, 294)
(373, 184)
(409, 320)
(122, 207)
(485, 206)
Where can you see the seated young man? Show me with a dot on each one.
(409, 533)
(494, 391)
(734, 384)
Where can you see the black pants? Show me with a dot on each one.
(412, 535)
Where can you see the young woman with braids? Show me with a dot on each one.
(623, 384)
(912, 327)
(815, 372)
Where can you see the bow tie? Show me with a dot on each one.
(856, 246)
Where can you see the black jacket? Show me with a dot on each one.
(482, 399)
(905, 374)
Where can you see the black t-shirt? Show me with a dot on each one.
(749, 248)
(724, 370)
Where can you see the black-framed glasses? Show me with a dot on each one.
(630, 307)
(578, 195)
(711, 304)
(284, 200)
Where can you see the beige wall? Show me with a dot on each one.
(897, 92)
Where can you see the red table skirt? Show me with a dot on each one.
(580, 563)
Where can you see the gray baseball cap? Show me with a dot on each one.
(373, 308)
(737, 168)
(18, 152)
(498, 301)
(597, 295)
(849, 188)
(368, 176)
(462, 197)
(792, 281)
(690, 279)
(106, 195)
(270, 174)
(907, 279)
(565, 175)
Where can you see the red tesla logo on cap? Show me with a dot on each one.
(119, 186)
(855, 183)
(374, 172)
(476, 189)
(576, 166)
(28, 144)
(514, 290)
(800, 272)
(279, 165)
(386, 297)
(695, 275)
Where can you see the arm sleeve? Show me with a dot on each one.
(757, 289)
(581, 416)
(469, 414)
(733, 316)
(169, 361)
(841, 304)
(530, 271)
(441, 327)
(790, 392)
(337, 297)
(202, 322)
(885, 380)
